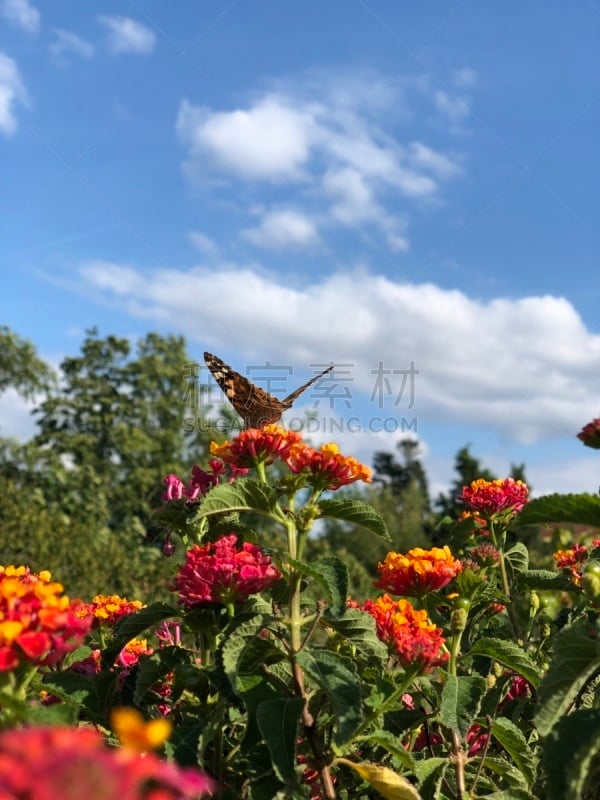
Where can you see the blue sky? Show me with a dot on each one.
(359, 182)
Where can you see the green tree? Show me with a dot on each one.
(82, 492)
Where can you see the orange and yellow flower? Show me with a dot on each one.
(417, 572)
(256, 446)
(408, 632)
(492, 497)
(327, 468)
(38, 623)
(107, 609)
(137, 734)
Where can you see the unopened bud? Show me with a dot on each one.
(458, 620)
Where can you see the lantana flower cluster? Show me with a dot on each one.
(201, 481)
(492, 497)
(222, 572)
(107, 609)
(590, 434)
(50, 762)
(574, 559)
(38, 623)
(257, 445)
(417, 572)
(408, 632)
(325, 468)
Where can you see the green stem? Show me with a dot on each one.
(505, 584)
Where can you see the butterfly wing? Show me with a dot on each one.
(256, 407)
(287, 403)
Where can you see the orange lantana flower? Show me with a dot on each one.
(418, 572)
(255, 445)
(327, 468)
(408, 632)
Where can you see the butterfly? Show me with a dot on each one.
(255, 406)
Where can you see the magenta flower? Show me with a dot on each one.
(220, 572)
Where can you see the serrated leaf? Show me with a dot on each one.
(392, 743)
(360, 628)
(154, 667)
(506, 770)
(240, 651)
(337, 677)
(461, 701)
(356, 511)
(509, 655)
(513, 741)
(517, 558)
(575, 660)
(544, 579)
(384, 780)
(583, 509)
(278, 722)
(332, 575)
(131, 626)
(244, 494)
(568, 753)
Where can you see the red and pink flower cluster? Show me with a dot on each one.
(590, 434)
(38, 623)
(221, 572)
(201, 481)
(50, 762)
(492, 497)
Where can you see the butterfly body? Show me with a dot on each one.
(256, 407)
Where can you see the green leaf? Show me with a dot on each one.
(390, 742)
(278, 722)
(152, 668)
(131, 626)
(332, 575)
(568, 753)
(356, 511)
(513, 741)
(461, 701)
(337, 677)
(583, 509)
(430, 774)
(517, 558)
(244, 494)
(544, 579)
(360, 628)
(575, 660)
(509, 655)
(242, 650)
(506, 770)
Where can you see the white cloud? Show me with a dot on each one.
(15, 416)
(22, 14)
(453, 106)
(203, 242)
(280, 230)
(269, 142)
(334, 144)
(126, 35)
(12, 92)
(441, 165)
(526, 368)
(66, 42)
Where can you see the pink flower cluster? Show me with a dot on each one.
(221, 572)
(50, 762)
(201, 481)
(491, 497)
